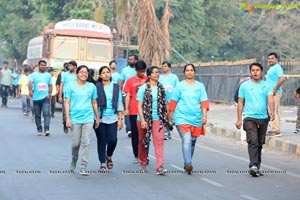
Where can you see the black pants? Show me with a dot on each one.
(256, 134)
(5, 90)
(134, 135)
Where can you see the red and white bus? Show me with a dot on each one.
(87, 42)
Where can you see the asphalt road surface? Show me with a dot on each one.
(36, 167)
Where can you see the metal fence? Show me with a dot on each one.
(221, 79)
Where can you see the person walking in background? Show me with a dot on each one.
(255, 96)
(6, 83)
(23, 92)
(66, 78)
(296, 96)
(169, 81)
(54, 92)
(15, 83)
(40, 89)
(152, 118)
(127, 73)
(116, 77)
(131, 105)
(111, 117)
(81, 111)
(188, 107)
(275, 78)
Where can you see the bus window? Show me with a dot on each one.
(65, 47)
(98, 50)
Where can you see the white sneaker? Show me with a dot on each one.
(254, 171)
(297, 131)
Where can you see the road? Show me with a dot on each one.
(36, 167)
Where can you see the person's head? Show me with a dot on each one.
(256, 70)
(82, 72)
(27, 71)
(189, 71)
(132, 59)
(272, 58)
(112, 65)
(51, 71)
(140, 68)
(72, 66)
(166, 66)
(5, 64)
(42, 65)
(66, 66)
(153, 73)
(104, 74)
(79, 16)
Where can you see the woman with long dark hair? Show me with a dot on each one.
(110, 108)
(189, 104)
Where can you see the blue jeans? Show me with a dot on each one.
(39, 106)
(106, 140)
(126, 117)
(188, 145)
(25, 104)
(5, 90)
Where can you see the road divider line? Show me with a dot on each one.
(212, 182)
(248, 197)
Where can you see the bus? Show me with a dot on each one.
(84, 41)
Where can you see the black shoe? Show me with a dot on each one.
(254, 171)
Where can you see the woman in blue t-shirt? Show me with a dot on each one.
(189, 104)
(81, 110)
(110, 108)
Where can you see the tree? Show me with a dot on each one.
(16, 28)
(153, 43)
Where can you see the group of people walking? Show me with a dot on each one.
(151, 104)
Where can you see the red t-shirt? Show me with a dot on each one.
(132, 85)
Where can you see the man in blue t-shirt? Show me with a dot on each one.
(128, 72)
(40, 89)
(275, 78)
(255, 95)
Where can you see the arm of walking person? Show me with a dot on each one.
(61, 86)
(30, 88)
(279, 83)
(95, 108)
(127, 99)
(120, 120)
(240, 107)
(140, 112)
(67, 110)
(204, 107)
(172, 107)
(296, 95)
(271, 105)
(50, 91)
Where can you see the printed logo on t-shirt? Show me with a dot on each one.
(42, 86)
(169, 88)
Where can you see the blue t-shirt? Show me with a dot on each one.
(15, 78)
(67, 78)
(255, 97)
(169, 82)
(109, 116)
(81, 108)
(188, 98)
(273, 76)
(41, 82)
(140, 97)
(115, 77)
(127, 73)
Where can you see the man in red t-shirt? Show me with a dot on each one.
(131, 88)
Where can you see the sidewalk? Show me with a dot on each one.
(222, 119)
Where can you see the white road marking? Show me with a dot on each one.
(177, 167)
(248, 197)
(244, 159)
(212, 182)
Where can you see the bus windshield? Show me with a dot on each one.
(65, 47)
(98, 50)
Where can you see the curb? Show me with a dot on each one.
(278, 144)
